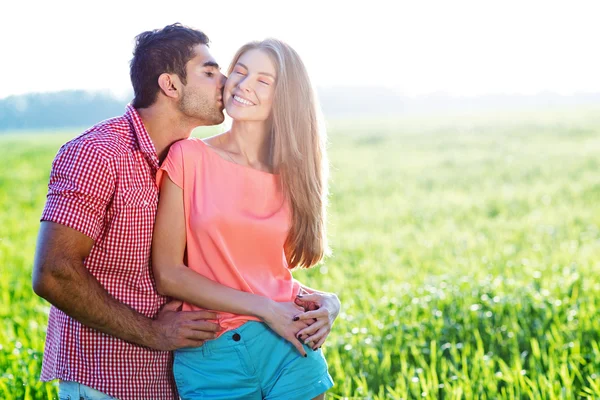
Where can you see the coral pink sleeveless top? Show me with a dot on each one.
(237, 222)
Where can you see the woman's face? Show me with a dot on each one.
(250, 88)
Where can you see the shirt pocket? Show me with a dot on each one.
(140, 198)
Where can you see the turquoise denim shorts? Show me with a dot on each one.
(250, 362)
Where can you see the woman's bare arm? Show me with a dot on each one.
(175, 279)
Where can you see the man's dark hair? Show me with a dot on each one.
(159, 51)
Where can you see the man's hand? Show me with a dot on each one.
(323, 309)
(175, 329)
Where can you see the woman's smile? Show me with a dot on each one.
(242, 102)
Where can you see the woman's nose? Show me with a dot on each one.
(244, 85)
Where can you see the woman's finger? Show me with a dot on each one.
(297, 344)
(316, 338)
(316, 314)
(311, 297)
(306, 305)
(311, 329)
(321, 342)
(299, 325)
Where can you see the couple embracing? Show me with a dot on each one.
(190, 295)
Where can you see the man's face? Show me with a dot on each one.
(202, 95)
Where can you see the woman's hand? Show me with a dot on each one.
(322, 309)
(282, 318)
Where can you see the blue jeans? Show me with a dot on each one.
(77, 391)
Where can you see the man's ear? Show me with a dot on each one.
(170, 85)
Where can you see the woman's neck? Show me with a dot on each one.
(252, 141)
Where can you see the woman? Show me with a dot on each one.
(237, 212)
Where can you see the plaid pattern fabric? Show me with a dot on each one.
(102, 184)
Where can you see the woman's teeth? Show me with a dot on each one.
(243, 101)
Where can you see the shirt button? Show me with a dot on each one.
(236, 337)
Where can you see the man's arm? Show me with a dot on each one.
(81, 186)
(60, 277)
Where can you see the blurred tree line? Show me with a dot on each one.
(72, 108)
(81, 109)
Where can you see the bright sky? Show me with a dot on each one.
(459, 47)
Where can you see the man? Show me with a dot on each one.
(109, 332)
(93, 255)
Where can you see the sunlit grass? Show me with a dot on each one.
(466, 255)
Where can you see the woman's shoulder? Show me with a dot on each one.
(216, 141)
(185, 153)
(188, 145)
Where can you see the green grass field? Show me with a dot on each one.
(466, 256)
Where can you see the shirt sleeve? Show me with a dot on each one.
(81, 187)
(172, 165)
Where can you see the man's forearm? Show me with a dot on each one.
(72, 289)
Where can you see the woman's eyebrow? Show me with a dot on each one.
(260, 73)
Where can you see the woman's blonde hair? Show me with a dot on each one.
(297, 152)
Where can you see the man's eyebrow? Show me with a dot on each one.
(211, 64)
(260, 73)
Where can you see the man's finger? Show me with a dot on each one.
(193, 343)
(172, 305)
(203, 326)
(197, 335)
(198, 315)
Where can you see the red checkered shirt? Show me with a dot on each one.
(103, 185)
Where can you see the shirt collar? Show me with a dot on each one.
(143, 138)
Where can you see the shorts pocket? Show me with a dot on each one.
(183, 372)
(68, 390)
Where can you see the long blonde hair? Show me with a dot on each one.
(297, 152)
